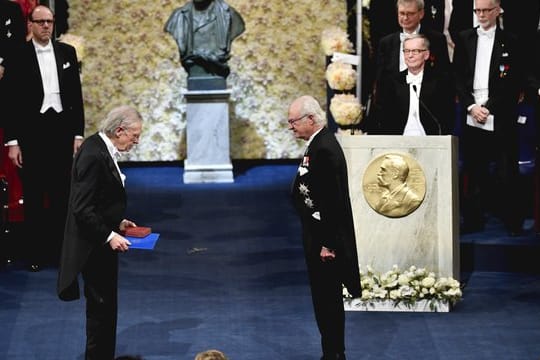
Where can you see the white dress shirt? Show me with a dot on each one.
(49, 76)
(414, 127)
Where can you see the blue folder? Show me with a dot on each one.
(146, 243)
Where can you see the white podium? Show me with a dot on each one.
(429, 236)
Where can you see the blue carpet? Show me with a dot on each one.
(228, 273)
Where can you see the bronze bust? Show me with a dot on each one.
(204, 31)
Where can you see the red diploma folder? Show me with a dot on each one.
(138, 231)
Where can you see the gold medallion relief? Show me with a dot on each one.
(394, 184)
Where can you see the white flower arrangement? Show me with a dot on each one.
(340, 76)
(76, 41)
(335, 39)
(407, 287)
(346, 109)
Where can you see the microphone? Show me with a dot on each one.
(427, 110)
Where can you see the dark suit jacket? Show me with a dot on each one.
(389, 47)
(436, 95)
(29, 97)
(96, 207)
(434, 15)
(12, 36)
(461, 17)
(506, 76)
(327, 221)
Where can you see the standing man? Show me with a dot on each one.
(321, 196)
(94, 222)
(12, 36)
(418, 101)
(390, 59)
(489, 70)
(45, 133)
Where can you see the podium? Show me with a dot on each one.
(427, 237)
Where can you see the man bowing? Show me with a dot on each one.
(94, 222)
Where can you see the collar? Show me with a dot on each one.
(490, 33)
(113, 151)
(40, 48)
(313, 136)
(414, 79)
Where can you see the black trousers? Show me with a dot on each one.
(100, 277)
(491, 165)
(47, 154)
(327, 297)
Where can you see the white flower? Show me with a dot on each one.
(340, 76)
(346, 109)
(334, 39)
(429, 281)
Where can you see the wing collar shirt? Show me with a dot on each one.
(414, 127)
(49, 76)
(484, 48)
(114, 153)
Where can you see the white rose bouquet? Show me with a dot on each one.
(346, 109)
(334, 39)
(340, 76)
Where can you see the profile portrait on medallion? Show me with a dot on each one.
(394, 185)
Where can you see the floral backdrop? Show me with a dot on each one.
(129, 59)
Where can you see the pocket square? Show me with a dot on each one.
(66, 65)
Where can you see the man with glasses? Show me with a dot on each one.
(94, 226)
(489, 67)
(44, 134)
(390, 60)
(417, 101)
(321, 197)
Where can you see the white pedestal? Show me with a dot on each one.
(208, 156)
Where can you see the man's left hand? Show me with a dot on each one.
(327, 254)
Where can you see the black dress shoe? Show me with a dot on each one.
(34, 268)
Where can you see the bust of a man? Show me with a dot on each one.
(204, 31)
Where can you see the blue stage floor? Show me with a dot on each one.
(228, 273)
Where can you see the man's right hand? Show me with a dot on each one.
(15, 155)
(119, 243)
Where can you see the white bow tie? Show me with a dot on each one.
(414, 79)
(44, 49)
(489, 33)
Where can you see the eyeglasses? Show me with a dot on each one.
(413, 51)
(292, 121)
(43, 22)
(407, 14)
(132, 135)
(484, 11)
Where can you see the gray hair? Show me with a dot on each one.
(418, 36)
(419, 3)
(309, 105)
(123, 116)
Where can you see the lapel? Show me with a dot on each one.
(108, 160)
(496, 55)
(471, 44)
(59, 58)
(396, 45)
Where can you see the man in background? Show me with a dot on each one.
(44, 133)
